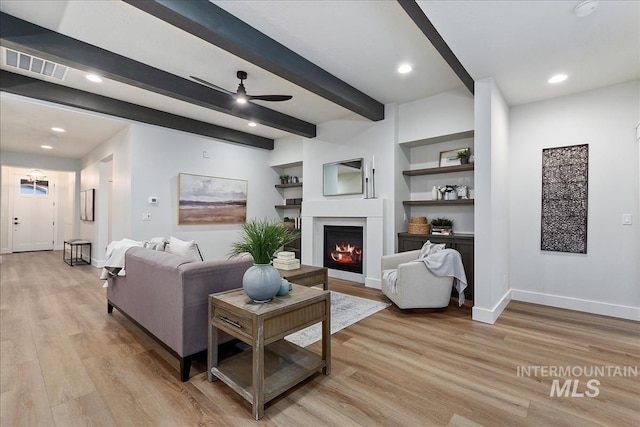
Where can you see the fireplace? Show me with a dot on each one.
(343, 248)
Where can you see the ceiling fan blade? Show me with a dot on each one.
(211, 85)
(270, 97)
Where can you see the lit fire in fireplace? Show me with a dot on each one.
(346, 253)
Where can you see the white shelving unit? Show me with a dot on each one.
(424, 173)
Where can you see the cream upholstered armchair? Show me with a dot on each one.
(415, 286)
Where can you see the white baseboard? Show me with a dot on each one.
(587, 306)
(490, 315)
(370, 282)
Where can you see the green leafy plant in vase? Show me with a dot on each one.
(261, 239)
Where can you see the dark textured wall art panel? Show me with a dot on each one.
(565, 190)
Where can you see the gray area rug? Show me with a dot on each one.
(345, 310)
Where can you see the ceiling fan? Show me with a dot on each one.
(241, 95)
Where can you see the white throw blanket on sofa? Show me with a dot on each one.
(114, 265)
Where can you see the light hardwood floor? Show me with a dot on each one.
(66, 362)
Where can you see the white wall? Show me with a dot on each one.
(491, 205)
(118, 150)
(604, 280)
(159, 155)
(442, 114)
(286, 151)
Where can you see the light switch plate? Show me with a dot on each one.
(627, 219)
(146, 217)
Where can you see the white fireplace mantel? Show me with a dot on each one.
(367, 212)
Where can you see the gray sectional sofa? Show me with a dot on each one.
(167, 296)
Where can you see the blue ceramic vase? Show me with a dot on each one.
(261, 282)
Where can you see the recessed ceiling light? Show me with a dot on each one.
(55, 129)
(586, 8)
(558, 78)
(94, 78)
(47, 147)
(252, 124)
(405, 68)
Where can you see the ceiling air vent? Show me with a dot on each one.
(35, 65)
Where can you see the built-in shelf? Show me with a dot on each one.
(438, 139)
(446, 169)
(296, 184)
(457, 202)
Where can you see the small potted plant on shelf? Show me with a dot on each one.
(464, 155)
(442, 226)
(284, 179)
(262, 239)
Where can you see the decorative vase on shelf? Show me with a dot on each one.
(261, 282)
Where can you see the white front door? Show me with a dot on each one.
(32, 219)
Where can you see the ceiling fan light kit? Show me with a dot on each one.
(240, 94)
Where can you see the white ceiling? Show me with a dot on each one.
(518, 43)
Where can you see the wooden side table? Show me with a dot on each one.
(307, 275)
(273, 365)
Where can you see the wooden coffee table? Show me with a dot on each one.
(273, 365)
(307, 275)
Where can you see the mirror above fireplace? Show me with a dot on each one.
(343, 177)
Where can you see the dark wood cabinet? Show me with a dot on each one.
(462, 243)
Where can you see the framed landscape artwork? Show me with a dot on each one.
(211, 200)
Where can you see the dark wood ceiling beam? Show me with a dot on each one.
(418, 16)
(218, 27)
(35, 40)
(51, 92)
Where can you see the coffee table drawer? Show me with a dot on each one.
(232, 322)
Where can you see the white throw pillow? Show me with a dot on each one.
(157, 243)
(186, 249)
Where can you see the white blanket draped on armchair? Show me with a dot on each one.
(448, 262)
(114, 265)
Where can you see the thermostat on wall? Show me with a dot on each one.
(153, 200)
